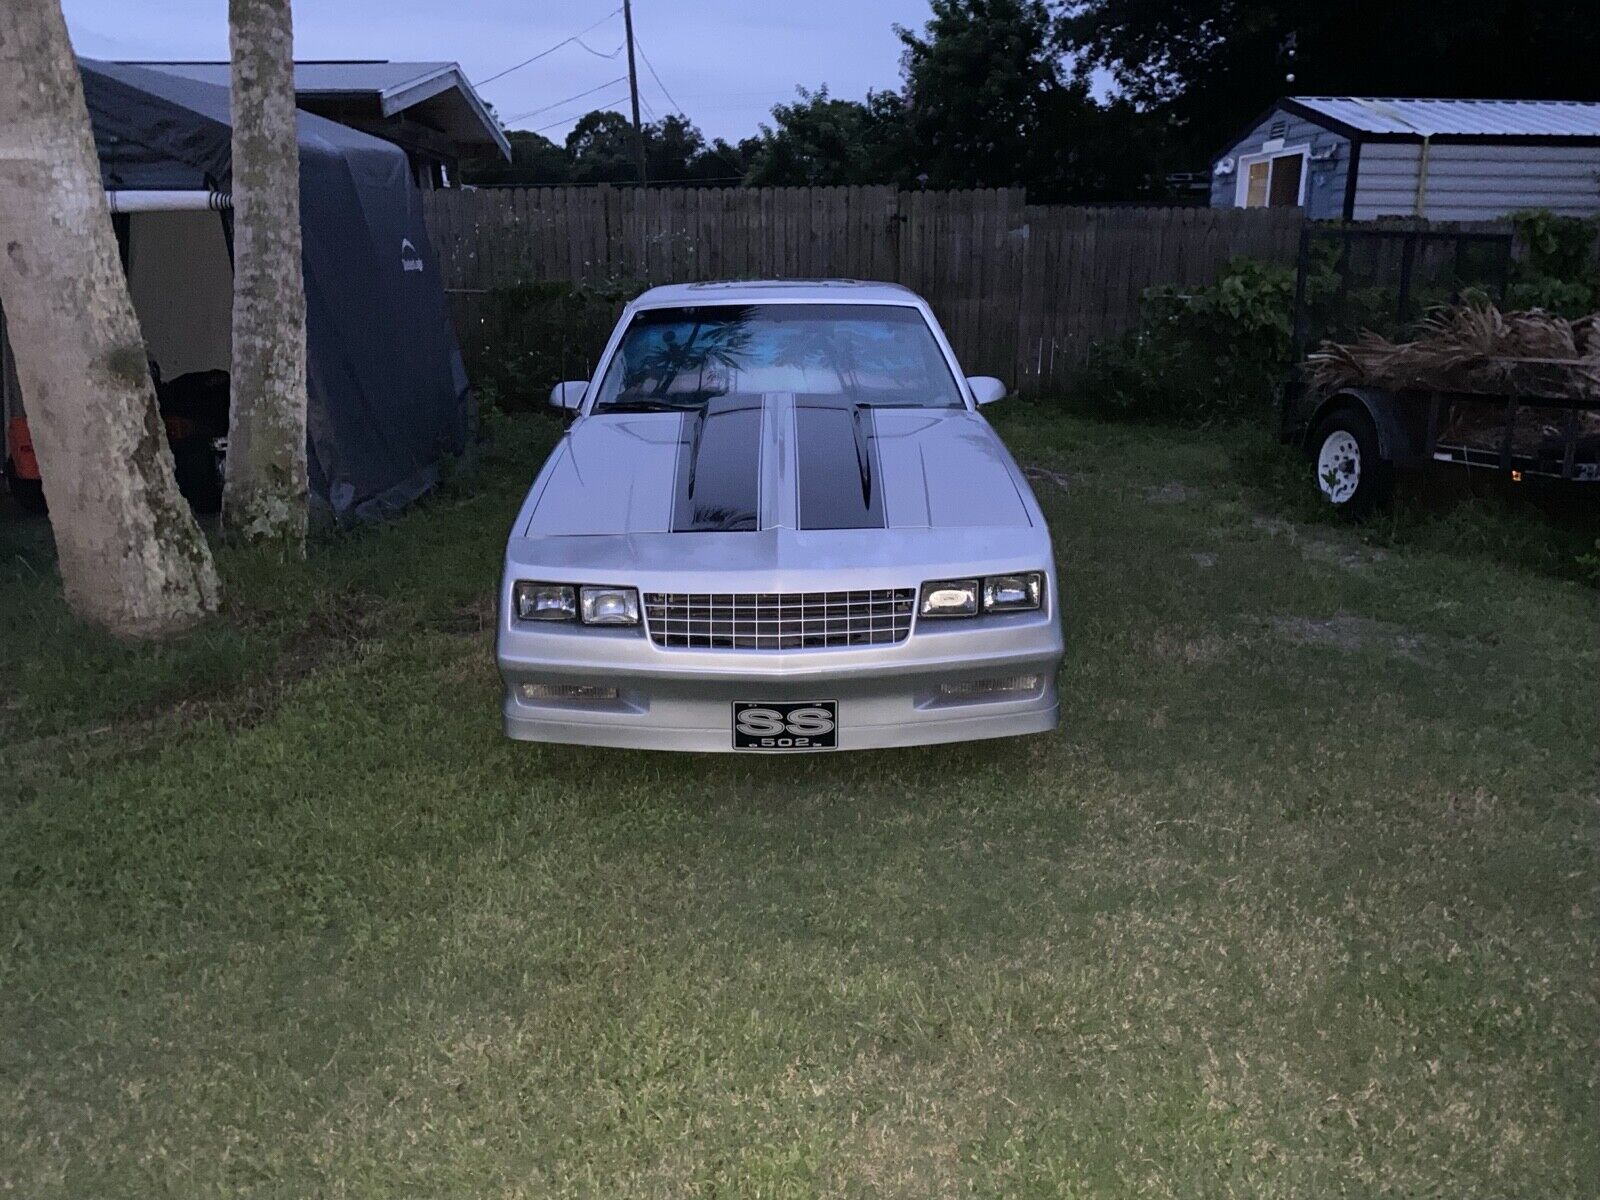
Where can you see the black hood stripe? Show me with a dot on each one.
(840, 478)
(718, 486)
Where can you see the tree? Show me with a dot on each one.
(822, 141)
(131, 557)
(672, 147)
(1086, 151)
(725, 161)
(600, 148)
(536, 161)
(984, 85)
(677, 152)
(265, 489)
(1209, 66)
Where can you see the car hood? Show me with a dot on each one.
(784, 461)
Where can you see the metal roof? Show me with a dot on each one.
(393, 86)
(1393, 117)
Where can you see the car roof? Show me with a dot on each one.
(776, 291)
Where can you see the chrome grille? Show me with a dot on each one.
(778, 620)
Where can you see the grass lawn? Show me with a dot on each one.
(1300, 901)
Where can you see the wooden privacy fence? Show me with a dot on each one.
(1023, 290)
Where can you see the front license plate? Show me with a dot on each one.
(800, 725)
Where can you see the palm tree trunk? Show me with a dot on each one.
(264, 494)
(131, 556)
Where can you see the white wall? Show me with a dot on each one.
(1477, 183)
(182, 287)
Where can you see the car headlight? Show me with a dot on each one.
(546, 601)
(1021, 592)
(1012, 593)
(949, 598)
(609, 605)
(592, 604)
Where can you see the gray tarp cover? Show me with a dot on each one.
(388, 395)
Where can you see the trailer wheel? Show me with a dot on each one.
(1349, 469)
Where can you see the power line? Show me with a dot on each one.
(656, 77)
(598, 54)
(543, 53)
(712, 144)
(534, 112)
(599, 106)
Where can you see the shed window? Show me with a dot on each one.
(1272, 180)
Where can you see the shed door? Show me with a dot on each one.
(1256, 188)
(1272, 180)
(1285, 191)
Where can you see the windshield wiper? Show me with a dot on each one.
(648, 406)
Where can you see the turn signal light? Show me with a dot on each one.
(565, 691)
(974, 688)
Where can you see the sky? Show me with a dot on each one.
(724, 62)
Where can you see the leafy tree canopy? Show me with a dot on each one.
(981, 81)
(996, 92)
(820, 141)
(1208, 66)
(535, 159)
(600, 149)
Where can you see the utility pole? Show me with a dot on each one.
(633, 88)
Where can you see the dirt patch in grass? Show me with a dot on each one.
(1477, 805)
(1324, 546)
(1351, 635)
(1171, 492)
(1338, 554)
(1192, 649)
(1047, 475)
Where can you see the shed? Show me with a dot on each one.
(387, 394)
(1357, 158)
(428, 109)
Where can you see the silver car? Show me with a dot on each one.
(778, 523)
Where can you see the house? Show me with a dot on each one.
(428, 109)
(1357, 158)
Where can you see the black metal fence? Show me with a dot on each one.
(1351, 279)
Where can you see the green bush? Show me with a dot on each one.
(533, 335)
(1201, 353)
(1558, 270)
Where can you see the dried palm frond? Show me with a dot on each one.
(1471, 348)
(1586, 333)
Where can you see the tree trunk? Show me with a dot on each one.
(131, 556)
(264, 494)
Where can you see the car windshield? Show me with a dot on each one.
(872, 354)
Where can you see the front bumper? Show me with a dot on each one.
(675, 699)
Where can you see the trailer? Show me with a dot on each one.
(1533, 424)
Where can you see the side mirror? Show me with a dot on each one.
(986, 389)
(568, 395)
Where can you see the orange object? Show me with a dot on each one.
(179, 427)
(19, 444)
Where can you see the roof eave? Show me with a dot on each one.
(424, 87)
(1301, 106)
